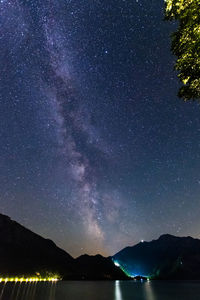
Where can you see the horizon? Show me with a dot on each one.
(96, 254)
(97, 152)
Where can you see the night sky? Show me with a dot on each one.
(96, 150)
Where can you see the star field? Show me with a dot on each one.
(96, 150)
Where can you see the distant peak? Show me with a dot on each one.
(90, 256)
(167, 237)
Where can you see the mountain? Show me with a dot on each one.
(23, 252)
(168, 257)
(98, 267)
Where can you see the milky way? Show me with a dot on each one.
(95, 146)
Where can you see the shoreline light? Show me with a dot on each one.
(29, 279)
(116, 264)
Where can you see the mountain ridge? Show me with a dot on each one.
(168, 257)
(23, 252)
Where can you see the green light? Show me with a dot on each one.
(117, 264)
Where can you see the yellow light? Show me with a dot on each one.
(29, 279)
(185, 80)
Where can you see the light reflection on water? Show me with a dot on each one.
(149, 291)
(102, 290)
(28, 291)
(118, 295)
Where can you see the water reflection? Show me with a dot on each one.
(149, 294)
(13, 291)
(52, 292)
(118, 294)
(118, 290)
(2, 291)
(27, 291)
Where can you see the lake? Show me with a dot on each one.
(115, 290)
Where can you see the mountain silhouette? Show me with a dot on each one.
(168, 257)
(23, 252)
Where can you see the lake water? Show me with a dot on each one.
(116, 290)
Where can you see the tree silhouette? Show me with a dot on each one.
(186, 44)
